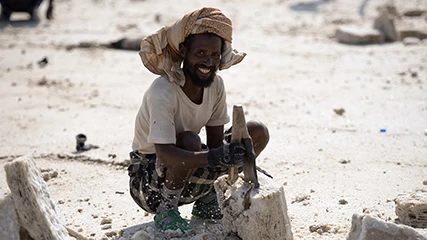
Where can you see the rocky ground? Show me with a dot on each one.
(347, 122)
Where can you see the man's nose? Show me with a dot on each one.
(208, 61)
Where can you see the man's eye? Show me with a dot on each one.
(216, 55)
(200, 53)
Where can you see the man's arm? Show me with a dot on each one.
(214, 136)
(173, 157)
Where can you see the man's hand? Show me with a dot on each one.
(228, 155)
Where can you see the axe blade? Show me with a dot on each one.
(249, 165)
(240, 131)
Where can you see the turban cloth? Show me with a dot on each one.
(160, 51)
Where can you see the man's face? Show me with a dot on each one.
(202, 59)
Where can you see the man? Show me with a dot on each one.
(170, 165)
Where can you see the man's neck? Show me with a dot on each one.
(193, 92)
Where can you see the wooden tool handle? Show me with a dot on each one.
(239, 130)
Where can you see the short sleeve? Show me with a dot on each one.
(160, 104)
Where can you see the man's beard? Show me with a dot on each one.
(196, 80)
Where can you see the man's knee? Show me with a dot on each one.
(259, 134)
(189, 141)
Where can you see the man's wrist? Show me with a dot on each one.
(212, 158)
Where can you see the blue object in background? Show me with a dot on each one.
(383, 130)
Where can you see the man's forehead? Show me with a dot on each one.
(206, 40)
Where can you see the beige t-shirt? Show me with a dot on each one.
(167, 111)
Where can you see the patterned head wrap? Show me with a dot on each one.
(160, 51)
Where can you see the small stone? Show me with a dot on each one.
(320, 228)
(111, 234)
(425, 182)
(343, 201)
(157, 17)
(105, 227)
(339, 111)
(301, 198)
(106, 221)
(356, 35)
(53, 174)
(46, 176)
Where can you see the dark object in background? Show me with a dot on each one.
(28, 6)
(126, 44)
(80, 143)
(339, 111)
(42, 63)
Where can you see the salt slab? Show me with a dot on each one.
(254, 214)
(33, 204)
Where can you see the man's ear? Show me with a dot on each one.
(182, 50)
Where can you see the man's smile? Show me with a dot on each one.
(204, 70)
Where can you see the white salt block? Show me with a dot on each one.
(352, 34)
(9, 225)
(385, 24)
(35, 207)
(366, 227)
(411, 208)
(254, 214)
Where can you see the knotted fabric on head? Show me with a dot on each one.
(160, 51)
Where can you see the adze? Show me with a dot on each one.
(239, 131)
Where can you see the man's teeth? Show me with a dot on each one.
(204, 70)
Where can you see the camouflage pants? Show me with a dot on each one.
(146, 182)
(147, 179)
